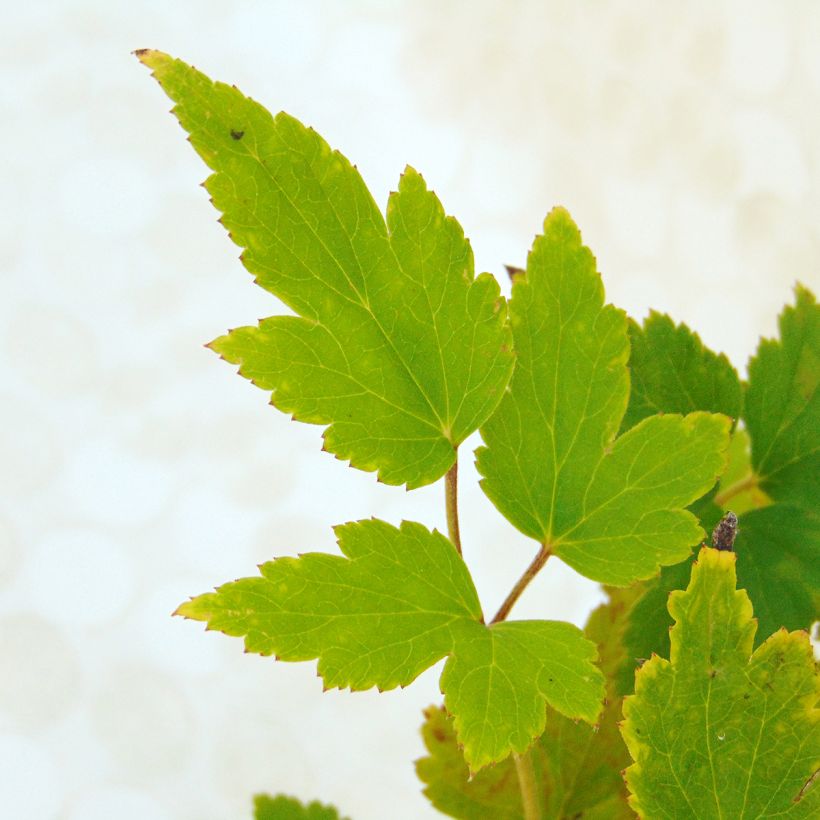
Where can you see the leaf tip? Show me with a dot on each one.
(151, 58)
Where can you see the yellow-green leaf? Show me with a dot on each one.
(577, 767)
(612, 508)
(395, 344)
(396, 602)
(719, 731)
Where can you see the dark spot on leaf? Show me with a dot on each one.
(439, 735)
(237, 135)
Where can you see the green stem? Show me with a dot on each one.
(451, 502)
(522, 583)
(528, 786)
(723, 497)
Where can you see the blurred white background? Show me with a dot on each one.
(136, 469)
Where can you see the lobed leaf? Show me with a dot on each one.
(777, 547)
(783, 406)
(397, 602)
(282, 807)
(498, 678)
(577, 767)
(613, 509)
(396, 346)
(671, 371)
(719, 731)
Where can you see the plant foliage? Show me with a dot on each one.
(615, 446)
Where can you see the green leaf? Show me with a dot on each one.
(672, 372)
(715, 732)
(647, 632)
(778, 564)
(783, 406)
(610, 508)
(577, 767)
(395, 345)
(282, 807)
(492, 792)
(776, 549)
(396, 603)
(498, 678)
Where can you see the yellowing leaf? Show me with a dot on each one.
(717, 731)
(395, 345)
(397, 602)
(613, 509)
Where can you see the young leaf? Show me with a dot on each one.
(783, 406)
(397, 602)
(715, 732)
(395, 345)
(282, 807)
(610, 508)
(577, 768)
(672, 371)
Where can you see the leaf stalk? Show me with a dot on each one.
(451, 502)
(523, 582)
(747, 483)
(528, 786)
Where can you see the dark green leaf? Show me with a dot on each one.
(672, 372)
(783, 406)
(288, 808)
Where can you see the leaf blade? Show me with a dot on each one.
(397, 601)
(717, 728)
(672, 371)
(498, 679)
(783, 405)
(282, 807)
(396, 345)
(577, 767)
(551, 462)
